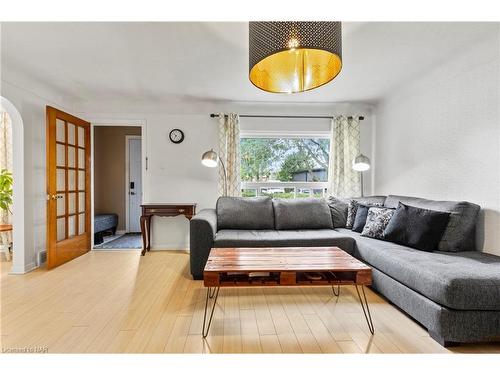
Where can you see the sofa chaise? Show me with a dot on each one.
(454, 291)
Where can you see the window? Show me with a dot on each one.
(284, 167)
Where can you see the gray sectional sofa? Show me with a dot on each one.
(454, 291)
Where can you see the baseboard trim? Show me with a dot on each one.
(21, 271)
(171, 246)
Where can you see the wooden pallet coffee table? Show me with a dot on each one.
(283, 266)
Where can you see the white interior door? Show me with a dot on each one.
(134, 184)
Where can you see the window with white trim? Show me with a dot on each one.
(284, 167)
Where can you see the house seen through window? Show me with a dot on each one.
(284, 167)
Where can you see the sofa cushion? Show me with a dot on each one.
(416, 227)
(284, 238)
(467, 280)
(245, 213)
(460, 232)
(338, 209)
(372, 200)
(302, 214)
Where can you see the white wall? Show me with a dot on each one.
(438, 137)
(175, 173)
(30, 97)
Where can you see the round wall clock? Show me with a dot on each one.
(176, 135)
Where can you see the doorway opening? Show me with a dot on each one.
(117, 187)
(12, 139)
(6, 186)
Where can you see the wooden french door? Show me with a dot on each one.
(68, 187)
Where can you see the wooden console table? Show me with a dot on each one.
(161, 209)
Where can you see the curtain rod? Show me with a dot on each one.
(287, 116)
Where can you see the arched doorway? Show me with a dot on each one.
(16, 123)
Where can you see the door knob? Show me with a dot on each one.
(132, 193)
(56, 196)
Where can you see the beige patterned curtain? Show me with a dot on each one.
(229, 152)
(343, 181)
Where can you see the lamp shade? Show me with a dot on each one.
(209, 159)
(290, 57)
(361, 163)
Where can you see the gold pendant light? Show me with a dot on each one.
(290, 57)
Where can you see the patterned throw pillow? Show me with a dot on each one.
(376, 222)
(352, 207)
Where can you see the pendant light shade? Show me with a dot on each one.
(290, 57)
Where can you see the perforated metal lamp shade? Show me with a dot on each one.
(361, 163)
(210, 159)
(291, 57)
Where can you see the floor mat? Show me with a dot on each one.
(127, 241)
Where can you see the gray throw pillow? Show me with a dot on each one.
(352, 208)
(338, 209)
(376, 222)
(361, 214)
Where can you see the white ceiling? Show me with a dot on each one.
(209, 61)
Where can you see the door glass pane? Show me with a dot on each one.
(71, 156)
(71, 134)
(60, 155)
(71, 203)
(71, 226)
(61, 229)
(61, 180)
(81, 180)
(61, 205)
(81, 202)
(71, 179)
(81, 224)
(60, 136)
(81, 136)
(81, 158)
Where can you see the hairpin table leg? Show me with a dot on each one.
(210, 295)
(368, 316)
(337, 293)
(211, 292)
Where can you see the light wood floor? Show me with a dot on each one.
(118, 301)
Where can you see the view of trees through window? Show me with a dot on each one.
(284, 160)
